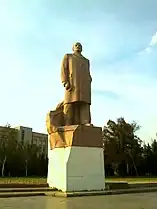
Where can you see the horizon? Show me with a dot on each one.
(119, 39)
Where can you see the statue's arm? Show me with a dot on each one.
(65, 70)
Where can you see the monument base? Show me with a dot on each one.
(76, 164)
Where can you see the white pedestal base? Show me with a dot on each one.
(76, 169)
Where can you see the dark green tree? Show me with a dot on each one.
(121, 144)
(8, 146)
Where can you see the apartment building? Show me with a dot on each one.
(26, 134)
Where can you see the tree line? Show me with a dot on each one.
(20, 159)
(125, 154)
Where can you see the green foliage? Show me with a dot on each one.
(17, 159)
(8, 147)
(123, 151)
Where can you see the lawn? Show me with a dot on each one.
(23, 180)
(133, 179)
(38, 180)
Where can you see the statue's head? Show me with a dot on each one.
(77, 47)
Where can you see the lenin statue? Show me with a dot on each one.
(76, 78)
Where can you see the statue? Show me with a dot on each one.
(76, 78)
(70, 132)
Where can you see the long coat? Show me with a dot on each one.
(75, 69)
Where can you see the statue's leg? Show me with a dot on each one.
(76, 113)
(68, 114)
(85, 115)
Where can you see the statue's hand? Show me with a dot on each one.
(67, 86)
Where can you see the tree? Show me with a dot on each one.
(112, 153)
(147, 158)
(18, 158)
(8, 146)
(29, 153)
(121, 143)
(153, 158)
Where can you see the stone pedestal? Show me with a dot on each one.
(76, 161)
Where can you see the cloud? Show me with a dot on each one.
(154, 40)
(151, 45)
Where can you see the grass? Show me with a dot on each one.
(133, 179)
(23, 180)
(42, 180)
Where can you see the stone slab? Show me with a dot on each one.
(42, 189)
(20, 194)
(116, 185)
(76, 135)
(98, 193)
(141, 185)
(78, 194)
(76, 168)
(108, 185)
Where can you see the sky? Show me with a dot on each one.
(119, 37)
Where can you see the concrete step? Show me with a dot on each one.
(21, 185)
(20, 194)
(98, 193)
(108, 186)
(76, 194)
(142, 185)
(11, 190)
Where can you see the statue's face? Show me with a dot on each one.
(77, 47)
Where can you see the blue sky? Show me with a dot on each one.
(118, 36)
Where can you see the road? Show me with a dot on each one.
(128, 201)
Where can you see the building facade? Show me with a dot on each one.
(26, 135)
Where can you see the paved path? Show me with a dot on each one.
(129, 201)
